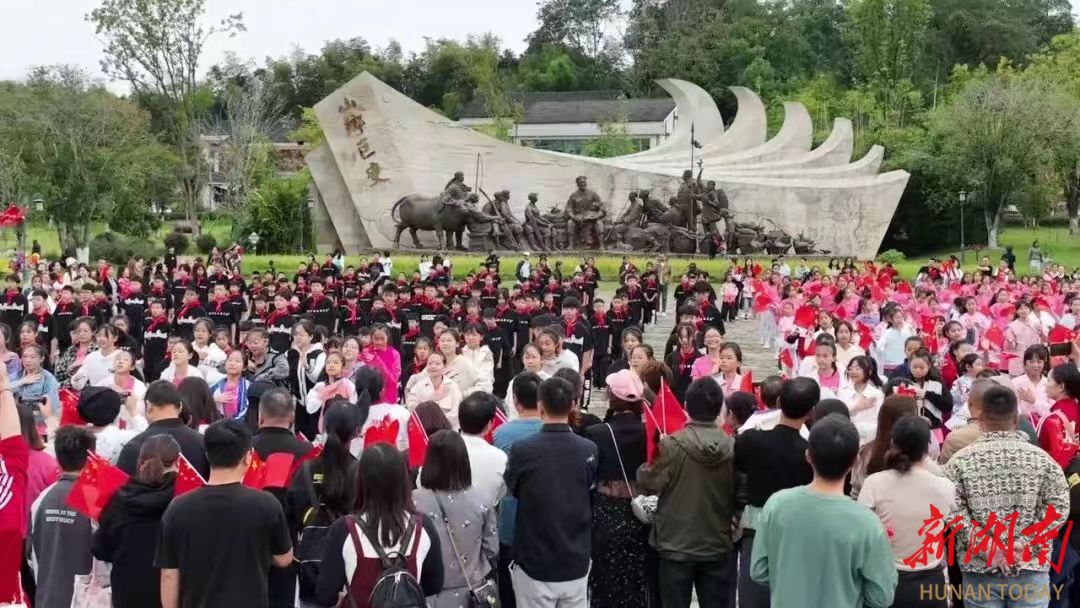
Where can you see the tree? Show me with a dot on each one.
(279, 214)
(156, 46)
(88, 154)
(994, 141)
(250, 117)
(887, 38)
(614, 139)
(579, 24)
(1059, 64)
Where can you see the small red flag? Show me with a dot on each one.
(418, 442)
(995, 337)
(866, 335)
(277, 470)
(746, 385)
(905, 390)
(1059, 334)
(664, 418)
(187, 478)
(69, 408)
(806, 317)
(95, 486)
(255, 477)
(496, 422)
(386, 431)
(787, 360)
(299, 462)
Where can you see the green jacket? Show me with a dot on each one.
(695, 479)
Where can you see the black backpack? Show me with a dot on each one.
(396, 587)
(312, 540)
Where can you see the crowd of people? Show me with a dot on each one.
(449, 452)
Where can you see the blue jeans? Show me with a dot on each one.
(1025, 590)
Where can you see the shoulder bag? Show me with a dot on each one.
(643, 507)
(484, 595)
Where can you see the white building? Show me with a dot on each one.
(564, 121)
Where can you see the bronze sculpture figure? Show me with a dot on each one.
(586, 216)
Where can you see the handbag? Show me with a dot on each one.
(643, 507)
(484, 595)
(92, 590)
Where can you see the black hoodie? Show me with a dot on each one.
(128, 538)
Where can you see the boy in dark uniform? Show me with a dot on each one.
(351, 318)
(191, 311)
(280, 323)
(155, 340)
(134, 308)
(319, 307)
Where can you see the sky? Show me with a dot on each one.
(37, 32)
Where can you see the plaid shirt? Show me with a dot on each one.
(1000, 473)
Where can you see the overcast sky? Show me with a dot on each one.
(41, 32)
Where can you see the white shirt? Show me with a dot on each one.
(483, 365)
(488, 463)
(95, 368)
(762, 420)
(511, 410)
(169, 373)
(565, 359)
(380, 411)
(387, 266)
(139, 390)
(425, 269)
(866, 420)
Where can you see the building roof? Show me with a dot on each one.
(579, 106)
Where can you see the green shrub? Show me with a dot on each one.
(891, 256)
(119, 249)
(206, 242)
(178, 241)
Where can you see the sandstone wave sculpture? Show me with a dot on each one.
(784, 196)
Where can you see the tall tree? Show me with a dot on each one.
(156, 46)
(1059, 63)
(981, 32)
(580, 24)
(88, 154)
(993, 142)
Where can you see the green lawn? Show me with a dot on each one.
(1056, 243)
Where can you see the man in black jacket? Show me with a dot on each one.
(276, 411)
(163, 412)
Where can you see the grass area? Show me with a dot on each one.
(50, 240)
(1055, 242)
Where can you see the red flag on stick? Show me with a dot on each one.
(187, 478)
(299, 462)
(496, 422)
(806, 317)
(277, 470)
(95, 486)
(418, 442)
(69, 408)
(255, 477)
(664, 418)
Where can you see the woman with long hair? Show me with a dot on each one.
(620, 549)
(1030, 387)
(436, 386)
(863, 396)
(307, 361)
(130, 388)
(131, 524)
(457, 368)
(898, 494)
(709, 363)
(98, 364)
(479, 357)
(847, 344)
(935, 403)
(350, 349)
(385, 358)
(871, 458)
(384, 516)
(431, 418)
(1063, 388)
(82, 343)
(28, 335)
(891, 345)
(184, 363)
(199, 408)
(413, 370)
(231, 392)
(555, 357)
(465, 522)
(681, 361)
(324, 489)
(211, 356)
(630, 339)
(1025, 330)
(35, 384)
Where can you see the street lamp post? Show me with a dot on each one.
(253, 238)
(963, 201)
